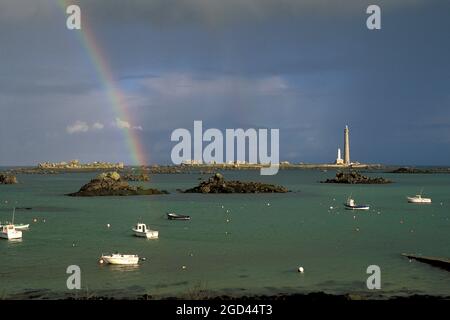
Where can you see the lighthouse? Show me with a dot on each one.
(346, 146)
(339, 159)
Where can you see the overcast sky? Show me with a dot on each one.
(307, 68)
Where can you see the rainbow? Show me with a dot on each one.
(115, 95)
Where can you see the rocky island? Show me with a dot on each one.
(217, 184)
(111, 184)
(355, 178)
(7, 179)
(413, 170)
(136, 177)
(76, 164)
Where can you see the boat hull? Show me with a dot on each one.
(359, 207)
(10, 235)
(121, 260)
(149, 234)
(421, 200)
(173, 216)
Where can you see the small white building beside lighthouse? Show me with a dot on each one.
(339, 159)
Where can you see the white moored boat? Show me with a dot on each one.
(9, 232)
(418, 199)
(141, 230)
(351, 205)
(120, 259)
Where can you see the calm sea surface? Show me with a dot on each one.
(235, 244)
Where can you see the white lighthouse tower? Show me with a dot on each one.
(339, 159)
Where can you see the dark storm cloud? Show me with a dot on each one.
(305, 67)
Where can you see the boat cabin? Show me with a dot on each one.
(141, 227)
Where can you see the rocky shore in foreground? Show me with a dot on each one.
(111, 184)
(217, 184)
(356, 178)
(207, 295)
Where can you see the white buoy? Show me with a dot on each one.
(101, 261)
(183, 267)
(108, 225)
(331, 207)
(301, 270)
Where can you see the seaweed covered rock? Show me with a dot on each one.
(136, 177)
(7, 179)
(217, 184)
(356, 178)
(111, 184)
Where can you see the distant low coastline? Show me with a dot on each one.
(74, 166)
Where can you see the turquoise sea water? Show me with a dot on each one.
(267, 237)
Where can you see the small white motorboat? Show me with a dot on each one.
(10, 232)
(141, 230)
(120, 259)
(176, 216)
(418, 199)
(351, 205)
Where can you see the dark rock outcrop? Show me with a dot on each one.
(111, 184)
(7, 179)
(356, 178)
(217, 184)
(136, 177)
(417, 170)
(443, 263)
